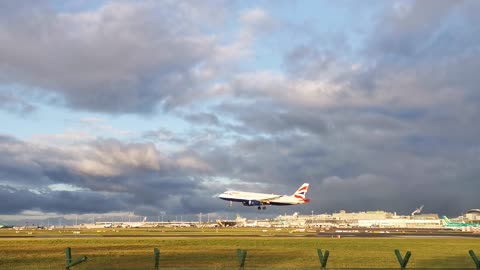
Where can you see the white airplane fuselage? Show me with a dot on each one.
(263, 199)
(253, 198)
(134, 224)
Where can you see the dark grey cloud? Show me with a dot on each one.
(405, 27)
(61, 202)
(318, 56)
(270, 118)
(355, 170)
(426, 49)
(203, 118)
(124, 176)
(123, 57)
(391, 126)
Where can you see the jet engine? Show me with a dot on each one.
(252, 203)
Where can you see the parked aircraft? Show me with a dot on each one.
(448, 223)
(95, 225)
(261, 200)
(134, 224)
(4, 226)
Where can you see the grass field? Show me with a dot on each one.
(217, 249)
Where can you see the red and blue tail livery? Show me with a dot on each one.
(261, 200)
(302, 192)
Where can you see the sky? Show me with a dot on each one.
(154, 108)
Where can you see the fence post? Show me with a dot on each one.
(323, 257)
(156, 254)
(474, 258)
(402, 261)
(241, 255)
(68, 255)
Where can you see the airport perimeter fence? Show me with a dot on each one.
(241, 255)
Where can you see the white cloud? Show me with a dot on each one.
(190, 162)
(122, 57)
(255, 18)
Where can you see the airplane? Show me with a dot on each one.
(4, 226)
(448, 223)
(91, 226)
(134, 224)
(261, 200)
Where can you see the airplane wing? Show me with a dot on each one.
(268, 199)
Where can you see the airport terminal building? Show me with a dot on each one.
(369, 219)
(338, 220)
(473, 215)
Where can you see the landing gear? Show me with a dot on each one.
(259, 208)
(262, 207)
(230, 204)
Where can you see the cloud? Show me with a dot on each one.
(386, 121)
(124, 57)
(60, 202)
(405, 27)
(394, 132)
(133, 175)
(257, 20)
(13, 103)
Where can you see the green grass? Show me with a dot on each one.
(194, 248)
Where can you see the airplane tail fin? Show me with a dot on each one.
(446, 220)
(301, 192)
(144, 220)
